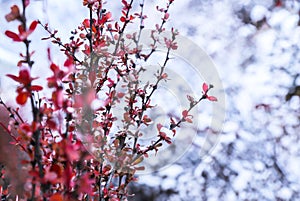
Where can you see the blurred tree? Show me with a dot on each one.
(258, 155)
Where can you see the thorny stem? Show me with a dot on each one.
(192, 105)
(106, 132)
(26, 42)
(90, 38)
(145, 101)
(100, 186)
(159, 31)
(57, 40)
(12, 136)
(118, 42)
(152, 146)
(35, 113)
(18, 115)
(182, 118)
(91, 68)
(149, 148)
(36, 137)
(120, 74)
(141, 23)
(12, 113)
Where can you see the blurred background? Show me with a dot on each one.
(255, 47)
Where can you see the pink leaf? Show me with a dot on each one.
(185, 113)
(212, 98)
(120, 94)
(27, 2)
(166, 16)
(189, 120)
(205, 87)
(159, 126)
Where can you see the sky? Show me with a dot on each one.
(247, 62)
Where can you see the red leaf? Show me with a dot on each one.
(50, 177)
(278, 3)
(51, 124)
(168, 140)
(22, 98)
(25, 76)
(86, 184)
(13, 36)
(49, 54)
(22, 31)
(36, 88)
(20, 63)
(131, 17)
(72, 152)
(86, 23)
(123, 19)
(68, 63)
(15, 78)
(56, 197)
(54, 67)
(58, 169)
(174, 132)
(57, 97)
(33, 26)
